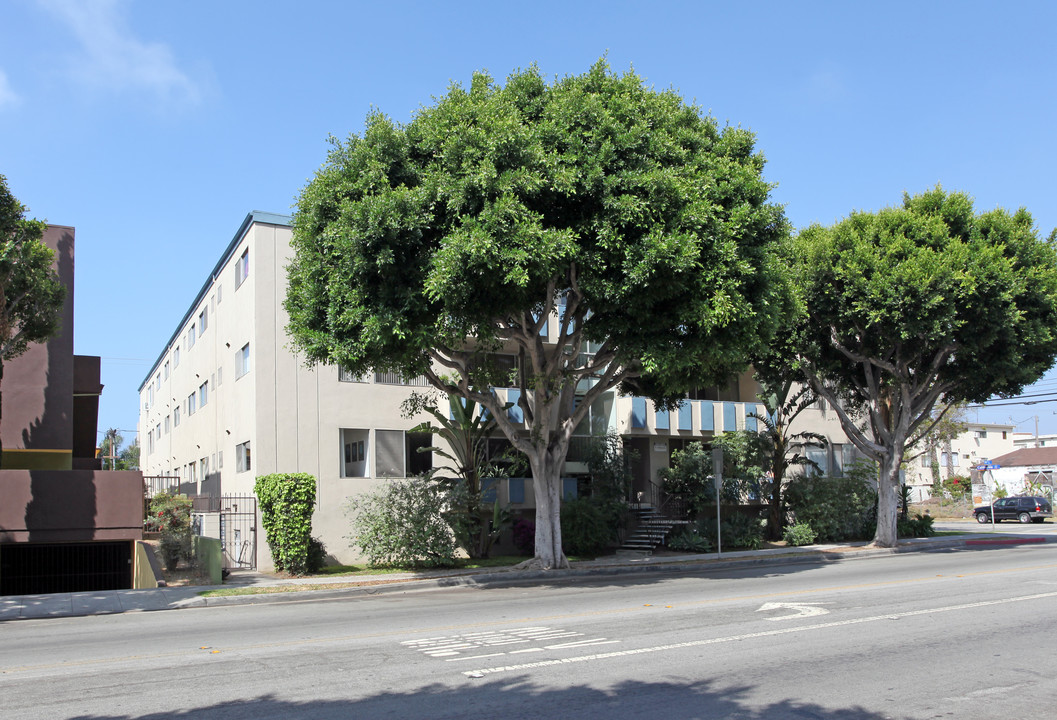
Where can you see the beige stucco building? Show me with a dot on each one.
(227, 400)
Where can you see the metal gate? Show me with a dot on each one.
(233, 520)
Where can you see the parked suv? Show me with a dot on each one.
(1024, 509)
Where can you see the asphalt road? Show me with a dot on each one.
(961, 634)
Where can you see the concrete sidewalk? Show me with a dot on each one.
(57, 605)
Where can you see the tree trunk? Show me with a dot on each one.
(546, 483)
(888, 499)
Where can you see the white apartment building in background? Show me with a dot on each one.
(227, 400)
(979, 443)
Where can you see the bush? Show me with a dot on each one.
(170, 514)
(689, 540)
(525, 536)
(287, 502)
(799, 534)
(916, 526)
(317, 555)
(739, 530)
(587, 529)
(836, 508)
(402, 524)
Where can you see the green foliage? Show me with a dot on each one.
(1000, 491)
(916, 526)
(690, 476)
(402, 524)
(524, 532)
(740, 530)
(837, 509)
(476, 524)
(586, 528)
(780, 448)
(799, 534)
(317, 556)
(688, 539)
(437, 242)
(170, 514)
(287, 502)
(957, 486)
(918, 304)
(31, 296)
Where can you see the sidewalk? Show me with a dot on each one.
(57, 605)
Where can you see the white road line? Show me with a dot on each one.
(748, 636)
(473, 657)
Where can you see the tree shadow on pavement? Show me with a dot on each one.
(519, 697)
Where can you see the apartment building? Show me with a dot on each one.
(228, 400)
(979, 443)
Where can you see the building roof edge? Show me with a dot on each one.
(254, 217)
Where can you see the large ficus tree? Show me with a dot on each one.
(534, 218)
(913, 305)
(31, 296)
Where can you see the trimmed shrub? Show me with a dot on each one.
(287, 502)
(402, 524)
(837, 509)
(799, 534)
(317, 555)
(525, 536)
(587, 529)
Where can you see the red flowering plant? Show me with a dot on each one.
(171, 516)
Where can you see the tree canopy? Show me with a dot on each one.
(917, 304)
(594, 227)
(31, 295)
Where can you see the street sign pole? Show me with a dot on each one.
(717, 475)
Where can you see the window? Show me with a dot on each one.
(354, 444)
(220, 375)
(157, 381)
(190, 405)
(203, 320)
(157, 431)
(981, 434)
(203, 468)
(220, 292)
(176, 357)
(166, 424)
(220, 460)
(396, 453)
(191, 336)
(150, 395)
(203, 394)
(242, 361)
(242, 268)
(242, 457)
(166, 371)
(176, 417)
(345, 375)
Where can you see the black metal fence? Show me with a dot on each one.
(233, 520)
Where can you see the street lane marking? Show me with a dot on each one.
(799, 610)
(330, 639)
(749, 636)
(455, 647)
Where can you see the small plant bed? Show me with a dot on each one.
(186, 573)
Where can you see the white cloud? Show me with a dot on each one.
(8, 98)
(111, 58)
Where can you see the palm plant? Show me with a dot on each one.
(784, 448)
(476, 524)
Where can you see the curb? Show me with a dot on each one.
(1007, 541)
(529, 577)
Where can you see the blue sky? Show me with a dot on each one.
(154, 127)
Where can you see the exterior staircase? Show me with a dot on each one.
(651, 530)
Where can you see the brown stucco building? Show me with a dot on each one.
(65, 524)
